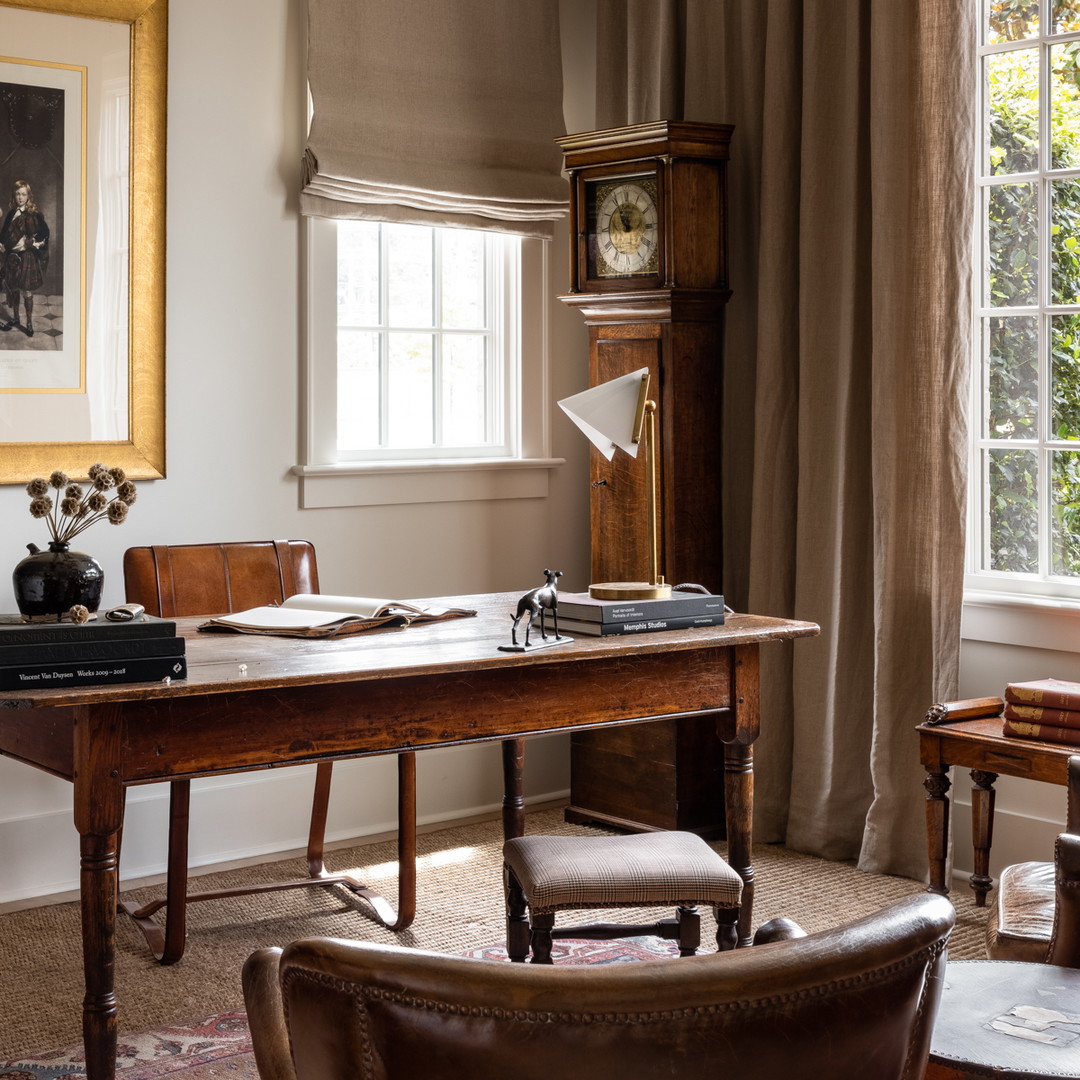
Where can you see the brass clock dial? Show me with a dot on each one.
(623, 237)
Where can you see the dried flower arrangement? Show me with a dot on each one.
(77, 510)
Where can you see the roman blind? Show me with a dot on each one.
(435, 113)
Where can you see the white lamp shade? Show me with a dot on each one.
(610, 414)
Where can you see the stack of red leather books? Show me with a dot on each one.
(1046, 709)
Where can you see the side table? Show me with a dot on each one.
(981, 747)
(1006, 1020)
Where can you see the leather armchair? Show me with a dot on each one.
(849, 1003)
(1036, 915)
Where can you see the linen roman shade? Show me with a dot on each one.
(436, 113)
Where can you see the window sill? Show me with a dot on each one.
(1034, 622)
(397, 483)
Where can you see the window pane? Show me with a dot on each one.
(409, 384)
(463, 273)
(1013, 510)
(358, 391)
(1065, 17)
(1012, 20)
(1014, 377)
(1065, 105)
(1013, 236)
(1064, 242)
(1065, 507)
(409, 274)
(464, 413)
(1065, 374)
(1012, 88)
(358, 273)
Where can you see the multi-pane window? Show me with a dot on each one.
(1026, 481)
(424, 342)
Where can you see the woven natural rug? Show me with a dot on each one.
(459, 910)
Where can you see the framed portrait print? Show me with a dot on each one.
(82, 246)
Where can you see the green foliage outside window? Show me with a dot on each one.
(1013, 278)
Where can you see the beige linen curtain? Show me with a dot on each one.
(435, 113)
(845, 373)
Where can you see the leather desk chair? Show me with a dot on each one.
(1036, 915)
(215, 579)
(855, 1002)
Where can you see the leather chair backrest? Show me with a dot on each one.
(215, 579)
(846, 1004)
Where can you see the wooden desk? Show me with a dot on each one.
(301, 701)
(981, 747)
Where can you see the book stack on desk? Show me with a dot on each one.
(1046, 709)
(35, 656)
(580, 613)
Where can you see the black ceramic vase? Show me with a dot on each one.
(49, 583)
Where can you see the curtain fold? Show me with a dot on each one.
(461, 134)
(846, 364)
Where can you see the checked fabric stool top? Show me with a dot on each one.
(546, 874)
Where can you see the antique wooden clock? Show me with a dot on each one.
(648, 271)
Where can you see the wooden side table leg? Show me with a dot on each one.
(513, 811)
(738, 807)
(982, 831)
(937, 825)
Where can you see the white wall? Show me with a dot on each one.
(236, 129)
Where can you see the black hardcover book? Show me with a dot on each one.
(64, 652)
(93, 673)
(639, 626)
(680, 605)
(15, 632)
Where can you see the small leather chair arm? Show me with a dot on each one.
(262, 997)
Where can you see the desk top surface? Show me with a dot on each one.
(229, 662)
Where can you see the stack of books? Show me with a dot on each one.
(34, 656)
(580, 613)
(1046, 709)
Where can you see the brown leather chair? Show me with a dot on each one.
(214, 579)
(850, 1003)
(1036, 914)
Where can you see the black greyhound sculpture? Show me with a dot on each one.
(536, 602)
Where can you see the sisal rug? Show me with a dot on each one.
(459, 888)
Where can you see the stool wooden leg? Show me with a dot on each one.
(689, 930)
(517, 922)
(541, 938)
(727, 932)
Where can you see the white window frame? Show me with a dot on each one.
(523, 473)
(985, 588)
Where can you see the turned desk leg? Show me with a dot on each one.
(738, 808)
(99, 818)
(513, 812)
(937, 825)
(982, 831)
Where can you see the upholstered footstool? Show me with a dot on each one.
(1021, 920)
(547, 874)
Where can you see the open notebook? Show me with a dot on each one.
(322, 615)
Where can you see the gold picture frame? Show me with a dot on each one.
(140, 451)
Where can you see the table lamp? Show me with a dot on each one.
(613, 416)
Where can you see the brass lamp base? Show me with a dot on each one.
(629, 590)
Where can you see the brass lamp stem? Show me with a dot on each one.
(655, 577)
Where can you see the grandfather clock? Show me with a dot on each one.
(648, 271)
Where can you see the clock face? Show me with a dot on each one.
(623, 232)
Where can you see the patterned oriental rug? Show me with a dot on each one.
(220, 1046)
